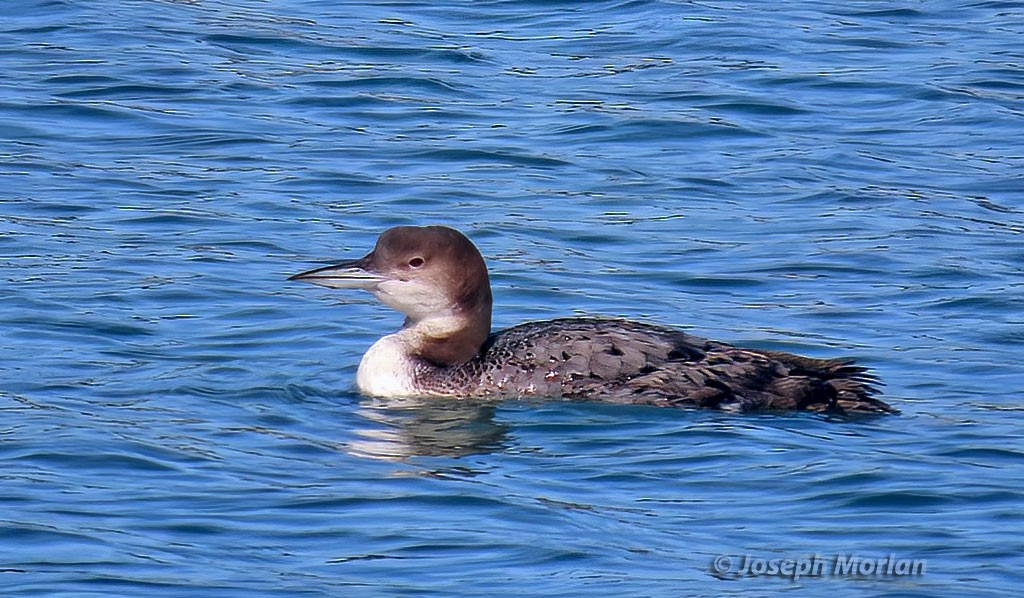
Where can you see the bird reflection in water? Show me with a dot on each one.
(409, 427)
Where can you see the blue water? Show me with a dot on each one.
(830, 178)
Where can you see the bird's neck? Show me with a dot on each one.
(450, 338)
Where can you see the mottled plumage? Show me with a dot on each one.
(622, 361)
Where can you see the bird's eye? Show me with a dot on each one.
(416, 262)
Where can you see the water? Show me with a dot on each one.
(828, 178)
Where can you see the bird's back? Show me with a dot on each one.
(622, 361)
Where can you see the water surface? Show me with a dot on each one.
(828, 178)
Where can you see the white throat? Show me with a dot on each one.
(387, 369)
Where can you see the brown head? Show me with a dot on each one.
(432, 274)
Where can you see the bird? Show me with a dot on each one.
(437, 277)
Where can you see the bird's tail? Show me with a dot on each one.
(850, 388)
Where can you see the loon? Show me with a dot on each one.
(436, 276)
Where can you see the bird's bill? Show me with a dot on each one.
(347, 275)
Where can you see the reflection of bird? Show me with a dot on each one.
(401, 427)
(438, 279)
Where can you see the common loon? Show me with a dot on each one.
(438, 279)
